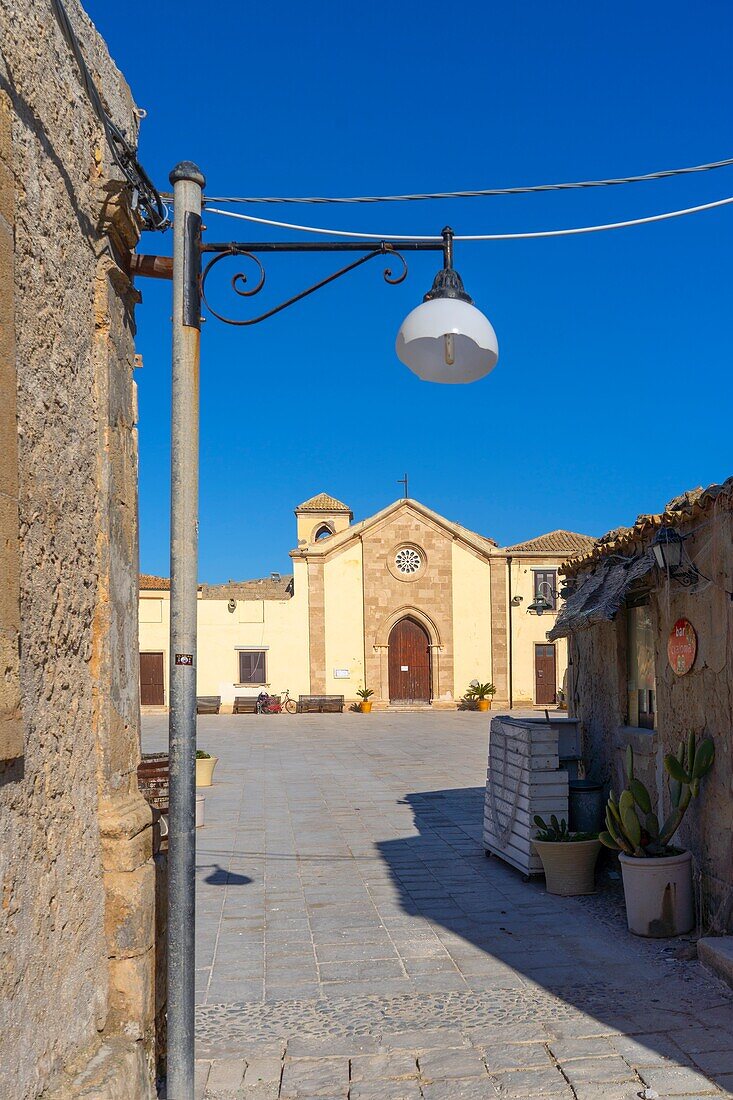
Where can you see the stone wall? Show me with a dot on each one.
(77, 997)
(701, 700)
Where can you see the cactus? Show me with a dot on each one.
(631, 826)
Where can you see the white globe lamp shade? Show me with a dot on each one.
(446, 339)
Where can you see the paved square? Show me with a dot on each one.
(353, 940)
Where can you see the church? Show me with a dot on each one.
(406, 602)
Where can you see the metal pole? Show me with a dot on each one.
(187, 183)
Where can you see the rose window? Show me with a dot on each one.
(407, 560)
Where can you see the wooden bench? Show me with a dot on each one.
(208, 704)
(245, 704)
(320, 704)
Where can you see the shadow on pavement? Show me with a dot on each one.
(506, 934)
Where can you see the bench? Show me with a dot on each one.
(245, 704)
(208, 704)
(320, 704)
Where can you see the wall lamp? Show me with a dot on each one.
(542, 603)
(672, 558)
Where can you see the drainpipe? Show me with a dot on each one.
(509, 640)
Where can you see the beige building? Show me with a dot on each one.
(405, 602)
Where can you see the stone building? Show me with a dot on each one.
(407, 602)
(77, 878)
(631, 684)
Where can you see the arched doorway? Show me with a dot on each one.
(409, 663)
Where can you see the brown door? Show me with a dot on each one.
(545, 675)
(152, 693)
(409, 663)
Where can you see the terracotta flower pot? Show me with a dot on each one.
(365, 706)
(658, 893)
(569, 865)
(205, 770)
(484, 704)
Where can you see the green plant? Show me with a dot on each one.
(365, 693)
(631, 826)
(480, 691)
(201, 755)
(557, 832)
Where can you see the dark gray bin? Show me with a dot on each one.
(587, 806)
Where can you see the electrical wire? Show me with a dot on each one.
(475, 236)
(145, 196)
(483, 193)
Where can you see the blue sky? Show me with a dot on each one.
(612, 391)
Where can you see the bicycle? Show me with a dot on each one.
(287, 704)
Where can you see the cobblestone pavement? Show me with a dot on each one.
(354, 941)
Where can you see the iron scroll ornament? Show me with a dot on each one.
(239, 280)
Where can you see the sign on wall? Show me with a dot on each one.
(682, 647)
(341, 674)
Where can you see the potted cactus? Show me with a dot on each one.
(365, 695)
(657, 876)
(568, 859)
(481, 694)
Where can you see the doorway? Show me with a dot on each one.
(152, 690)
(409, 663)
(545, 675)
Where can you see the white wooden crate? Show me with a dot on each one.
(523, 778)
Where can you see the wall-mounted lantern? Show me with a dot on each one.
(672, 558)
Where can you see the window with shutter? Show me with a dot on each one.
(252, 666)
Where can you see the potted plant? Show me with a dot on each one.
(568, 859)
(205, 764)
(365, 695)
(657, 876)
(481, 694)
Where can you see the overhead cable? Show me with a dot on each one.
(146, 197)
(574, 231)
(482, 193)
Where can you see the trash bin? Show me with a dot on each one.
(587, 806)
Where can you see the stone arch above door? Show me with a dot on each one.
(407, 612)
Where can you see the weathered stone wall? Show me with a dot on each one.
(76, 922)
(701, 700)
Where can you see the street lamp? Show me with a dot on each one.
(446, 339)
(672, 558)
(541, 602)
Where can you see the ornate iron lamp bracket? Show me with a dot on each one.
(253, 250)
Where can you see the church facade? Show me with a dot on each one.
(406, 602)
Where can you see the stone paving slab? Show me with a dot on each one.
(353, 941)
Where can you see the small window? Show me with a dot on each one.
(252, 668)
(324, 532)
(545, 584)
(640, 667)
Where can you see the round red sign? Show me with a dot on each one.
(682, 646)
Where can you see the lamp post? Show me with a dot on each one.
(445, 339)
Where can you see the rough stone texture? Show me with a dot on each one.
(75, 850)
(701, 701)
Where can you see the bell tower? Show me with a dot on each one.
(320, 517)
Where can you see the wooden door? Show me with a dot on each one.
(545, 675)
(152, 692)
(409, 663)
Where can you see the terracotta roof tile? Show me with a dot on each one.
(556, 542)
(322, 502)
(147, 581)
(686, 506)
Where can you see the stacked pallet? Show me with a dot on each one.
(523, 779)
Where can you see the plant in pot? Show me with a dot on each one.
(205, 764)
(481, 694)
(657, 876)
(568, 859)
(365, 695)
